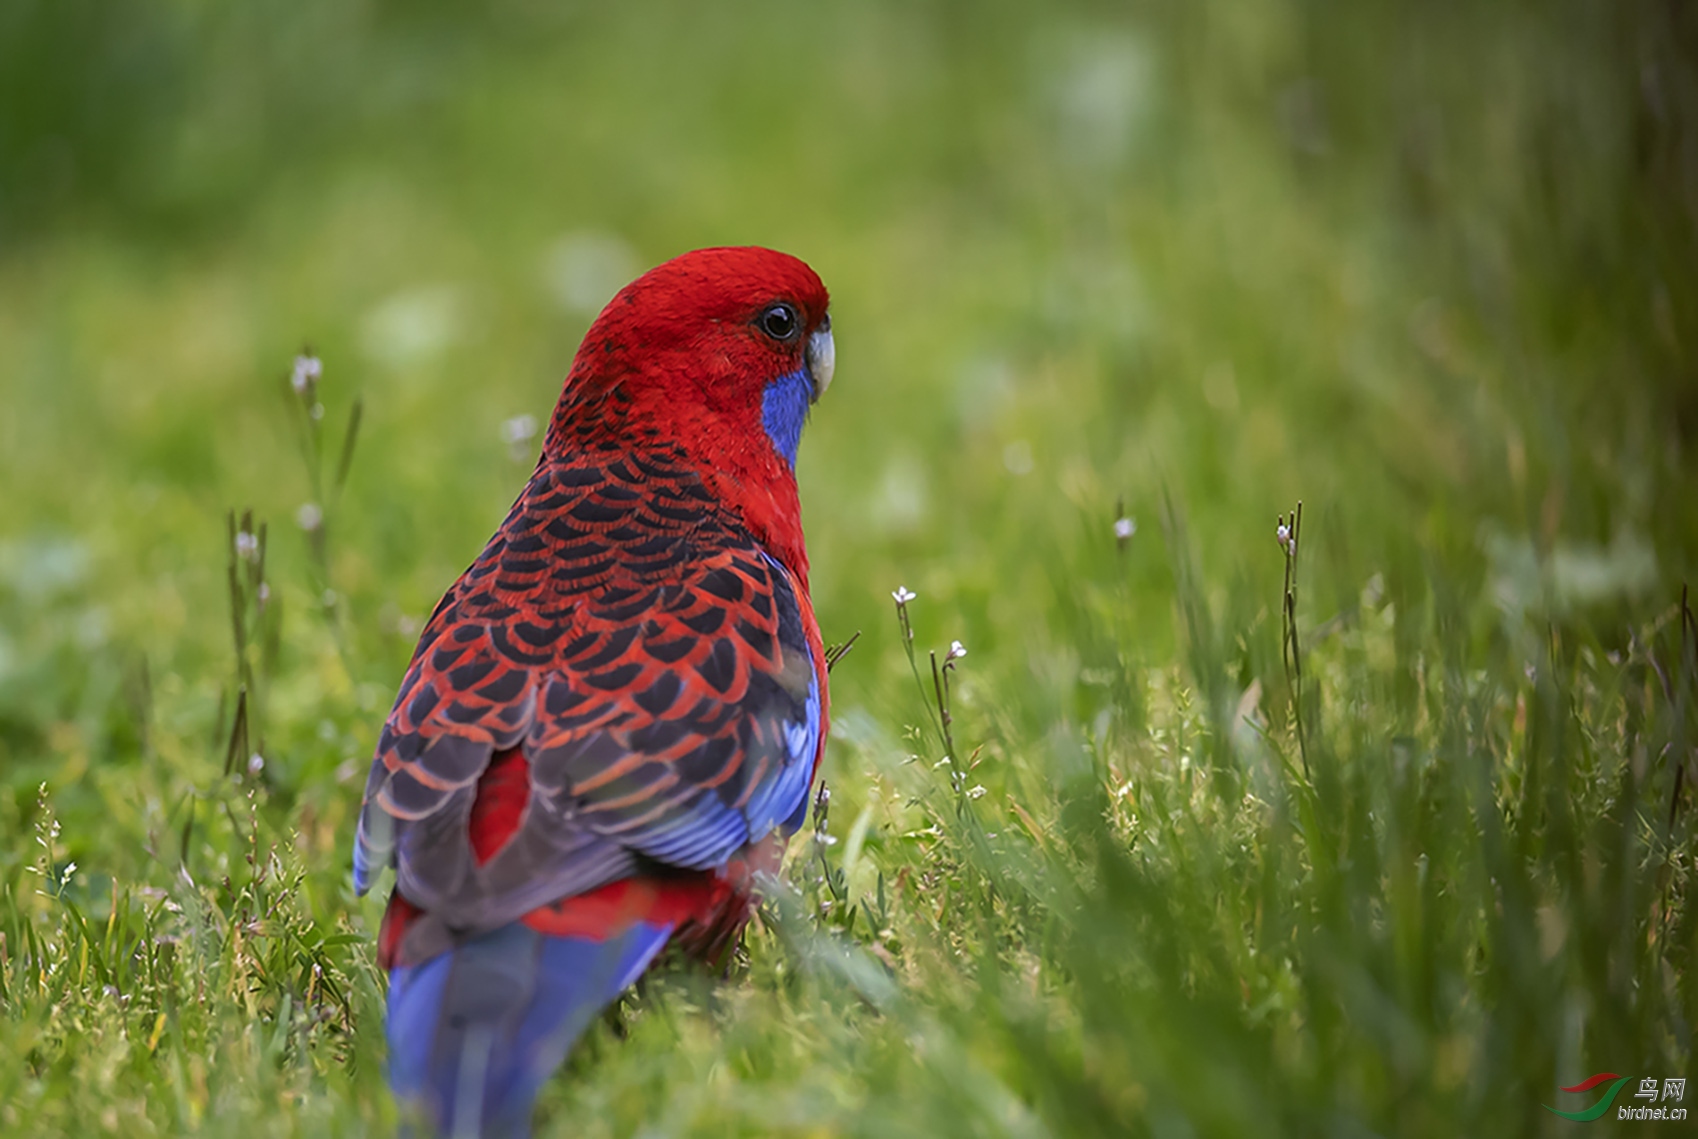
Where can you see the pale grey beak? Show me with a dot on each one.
(822, 357)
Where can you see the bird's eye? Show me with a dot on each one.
(779, 322)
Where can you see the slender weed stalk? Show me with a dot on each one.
(315, 515)
(1686, 672)
(938, 705)
(255, 640)
(255, 614)
(1288, 531)
(835, 653)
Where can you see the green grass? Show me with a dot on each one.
(1431, 269)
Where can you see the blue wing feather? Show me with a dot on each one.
(778, 800)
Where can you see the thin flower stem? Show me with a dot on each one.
(903, 597)
(940, 691)
(1290, 535)
(938, 704)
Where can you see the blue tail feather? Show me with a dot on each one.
(474, 1032)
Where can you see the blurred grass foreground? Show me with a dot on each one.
(1403, 849)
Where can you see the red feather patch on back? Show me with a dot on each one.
(397, 919)
(706, 908)
(503, 791)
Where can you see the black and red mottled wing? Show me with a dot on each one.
(657, 671)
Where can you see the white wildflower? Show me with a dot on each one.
(518, 433)
(306, 373)
(309, 517)
(903, 594)
(247, 545)
(519, 429)
(256, 763)
(957, 650)
(1124, 528)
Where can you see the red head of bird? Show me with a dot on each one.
(716, 357)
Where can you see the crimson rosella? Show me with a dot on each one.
(612, 720)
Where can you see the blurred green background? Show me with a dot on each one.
(1431, 268)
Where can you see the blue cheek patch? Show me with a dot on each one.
(784, 408)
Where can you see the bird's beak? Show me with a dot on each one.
(822, 357)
